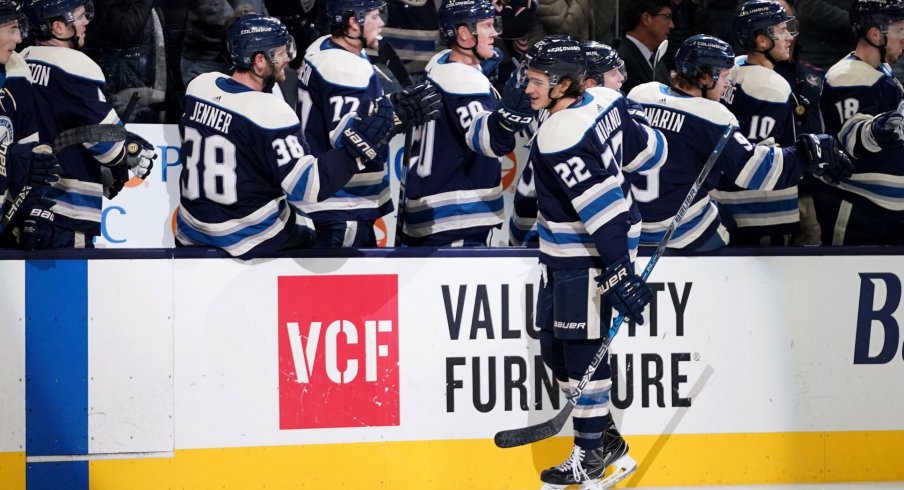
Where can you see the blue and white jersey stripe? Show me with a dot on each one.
(236, 236)
(366, 194)
(77, 199)
(760, 208)
(699, 218)
(453, 210)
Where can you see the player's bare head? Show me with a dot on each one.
(360, 20)
(470, 26)
(260, 45)
(765, 27)
(13, 27)
(553, 69)
(64, 21)
(604, 67)
(702, 63)
(878, 23)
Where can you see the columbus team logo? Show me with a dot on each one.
(338, 351)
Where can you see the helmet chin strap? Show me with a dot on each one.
(267, 80)
(881, 47)
(73, 39)
(767, 53)
(473, 49)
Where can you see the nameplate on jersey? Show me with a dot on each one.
(211, 116)
(664, 119)
(40, 74)
(607, 124)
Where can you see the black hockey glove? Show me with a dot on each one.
(416, 104)
(824, 158)
(140, 156)
(367, 135)
(624, 290)
(886, 129)
(114, 179)
(514, 110)
(518, 19)
(37, 227)
(27, 164)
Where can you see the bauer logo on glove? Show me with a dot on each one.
(607, 283)
(359, 142)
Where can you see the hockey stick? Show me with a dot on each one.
(104, 133)
(403, 178)
(543, 430)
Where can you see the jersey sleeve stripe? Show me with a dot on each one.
(654, 154)
(762, 170)
(302, 183)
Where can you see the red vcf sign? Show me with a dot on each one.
(338, 351)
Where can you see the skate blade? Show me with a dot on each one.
(623, 467)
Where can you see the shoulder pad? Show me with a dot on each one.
(851, 72)
(17, 67)
(263, 109)
(568, 127)
(655, 94)
(317, 45)
(71, 61)
(339, 67)
(761, 83)
(457, 78)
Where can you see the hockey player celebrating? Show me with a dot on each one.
(861, 103)
(763, 103)
(336, 79)
(453, 195)
(247, 166)
(583, 220)
(68, 86)
(692, 121)
(604, 69)
(21, 169)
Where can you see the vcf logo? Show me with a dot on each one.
(338, 351)
(868, 315)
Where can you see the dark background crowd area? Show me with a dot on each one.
(155, 47)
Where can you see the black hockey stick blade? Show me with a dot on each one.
(534, 433)
(89, 134)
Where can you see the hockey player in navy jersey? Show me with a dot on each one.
(23, 172)
(604, 69)
(335, 79)
(453, 195)
(692, 120)
(248, 168)
(862, 104)
(763, 103)
(584, 222)
(69, 95)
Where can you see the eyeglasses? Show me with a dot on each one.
(668, 17)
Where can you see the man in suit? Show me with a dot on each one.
(648, 23)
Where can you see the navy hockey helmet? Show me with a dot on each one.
(454, 13)
(339, 11)
(557, 56)
(11, 10)
(703, 55)
(602, 59)
(254, 33)
(761, 17)
(42, 13)
(875, 13)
